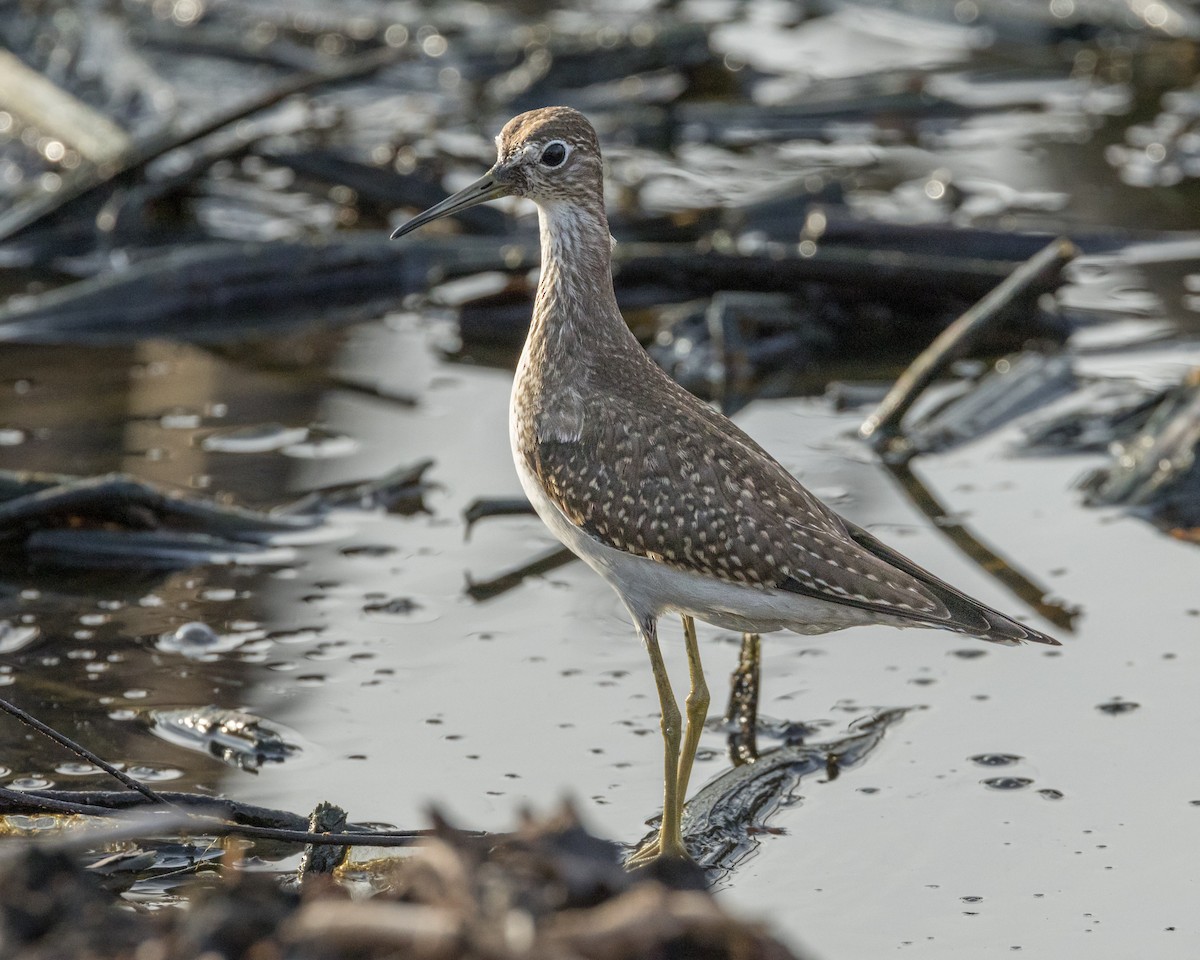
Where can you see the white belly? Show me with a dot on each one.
(651, 589)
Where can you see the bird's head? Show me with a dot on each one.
(549, 155)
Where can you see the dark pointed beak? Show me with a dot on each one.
(482, 190)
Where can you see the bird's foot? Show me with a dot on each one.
(658, 851)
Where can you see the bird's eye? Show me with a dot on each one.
(554, 154)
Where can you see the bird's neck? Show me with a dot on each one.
(575, 314)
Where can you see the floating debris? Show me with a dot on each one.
(1095, 416)
(234, 737)
(264, 438)
(1156, 468)
(400, 491)
(397, 607)
(996, 759)
(1012, 387)
(149, 550)
(1117, 706)
(118, 521)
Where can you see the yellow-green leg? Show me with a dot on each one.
(677, 768)
(670, 839)
(698, 700)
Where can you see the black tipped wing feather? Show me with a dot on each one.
(969, 616)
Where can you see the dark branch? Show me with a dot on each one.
(79, 751)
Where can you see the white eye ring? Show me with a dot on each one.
(550, 157)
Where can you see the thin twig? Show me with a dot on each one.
(122, 800)
(405, 839)
(884, 422)
(80, 751)
(209, 817)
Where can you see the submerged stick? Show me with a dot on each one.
(883, 424)
(80, 751)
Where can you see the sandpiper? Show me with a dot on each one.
(668, 500)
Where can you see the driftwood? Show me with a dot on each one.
(207, 816)
(116, 520)
(1156, 470)
(58, 113)
(883, 424)
(127, 166)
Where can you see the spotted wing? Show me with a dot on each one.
(667, 478)
(673, 481)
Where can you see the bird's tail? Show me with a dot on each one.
(966, 615)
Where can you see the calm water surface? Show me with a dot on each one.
(543, 692)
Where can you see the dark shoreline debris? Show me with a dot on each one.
(234, 737)
(119, 521)
(1011, 387)
(1098, 414)
(219, 290)
(399, 491)
(232, 291)
(550, 889)
(116, 520)
(88, 182)
(1156, 470)
(882, 428)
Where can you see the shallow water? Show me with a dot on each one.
(543, 692)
